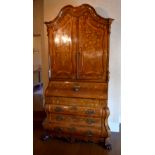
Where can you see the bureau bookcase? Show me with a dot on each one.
(76, 99)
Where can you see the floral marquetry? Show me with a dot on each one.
(76, 99)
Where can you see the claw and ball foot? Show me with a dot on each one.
(45, 137)
(107, 144)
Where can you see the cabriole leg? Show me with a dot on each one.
(107, 144)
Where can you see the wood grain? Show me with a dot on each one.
(77, 93)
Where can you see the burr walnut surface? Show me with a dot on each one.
(77, 94)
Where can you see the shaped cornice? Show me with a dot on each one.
(77, 12)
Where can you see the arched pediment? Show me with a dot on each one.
(77, 12)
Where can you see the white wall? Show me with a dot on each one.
(36, 51)
(38, 38)
(106, 8)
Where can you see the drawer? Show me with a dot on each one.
(75, 120)
(77, 89)
(94, 103)
(74, 110)
(74, 129)
(77, 86)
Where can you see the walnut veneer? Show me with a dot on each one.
(77, 93)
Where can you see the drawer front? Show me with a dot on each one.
(94, 103)
(79, 85)
(74, 110)
(75, 120)
(74, 129)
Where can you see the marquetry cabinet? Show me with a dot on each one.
(77, 94)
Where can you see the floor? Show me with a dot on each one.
(38, 98)
(59, 147)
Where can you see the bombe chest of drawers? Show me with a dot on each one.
(77, 93)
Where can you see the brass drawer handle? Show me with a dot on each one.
(89, 133)
(58, 109)
(90, 121)
(90, 112)
(59, 118)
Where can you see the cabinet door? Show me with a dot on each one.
(62, 48)
(92, 52)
